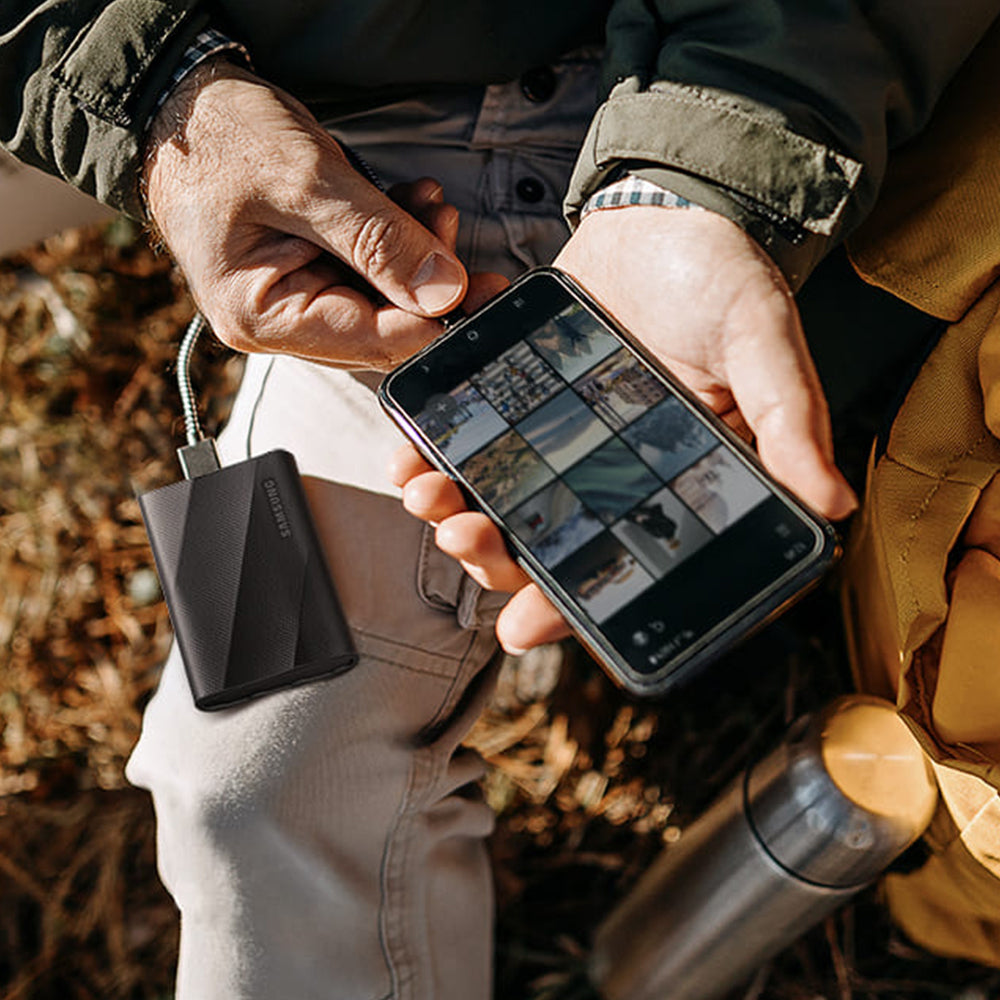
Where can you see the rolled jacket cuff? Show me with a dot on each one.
(787, 191)
(104, 94)
(795, 257)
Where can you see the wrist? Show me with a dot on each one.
(795, 250)
(794, 254)
(175, 111)
(173, 128)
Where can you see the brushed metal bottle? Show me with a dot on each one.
(796, 836)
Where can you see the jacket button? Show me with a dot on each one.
(530, 189)
(538, 84)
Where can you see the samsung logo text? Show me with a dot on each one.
(281, 521)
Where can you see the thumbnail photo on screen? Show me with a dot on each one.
(516, 382)
(604, 576)
(669, 438)
(662, 532)
(554, 523)
(719, 489)
(507, 472)
(612, 480)
(460, 422)
(564, 430)
(573, 342)
(620, 389)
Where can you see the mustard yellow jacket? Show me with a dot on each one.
(922, 579)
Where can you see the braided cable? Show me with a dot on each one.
(192, 424)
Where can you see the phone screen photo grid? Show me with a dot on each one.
(597, 468)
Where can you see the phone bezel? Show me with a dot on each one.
(766, 604)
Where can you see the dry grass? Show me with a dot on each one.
(88, 327)
(588, 784)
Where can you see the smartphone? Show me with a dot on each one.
(646, 521)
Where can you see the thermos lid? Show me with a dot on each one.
(847, 792)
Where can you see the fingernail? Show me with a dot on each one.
(438, 285)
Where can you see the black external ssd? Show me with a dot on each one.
(250, 596)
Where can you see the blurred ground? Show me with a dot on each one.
(589, 785)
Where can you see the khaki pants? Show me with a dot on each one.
(324, 841)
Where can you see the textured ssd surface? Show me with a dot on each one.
(249, 593)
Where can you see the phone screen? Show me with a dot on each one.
(626, 500)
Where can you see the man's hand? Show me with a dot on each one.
(709, 303)
(286, 247)
(705, 300)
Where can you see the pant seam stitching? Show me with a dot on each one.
(421, 777)
(394, 863)
(407, 646)
(459, 681)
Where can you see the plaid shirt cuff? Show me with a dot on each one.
(208, 43)
(634, 191)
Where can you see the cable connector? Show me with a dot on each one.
(199, 459)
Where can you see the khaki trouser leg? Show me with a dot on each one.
(323, 841)
(326, 841)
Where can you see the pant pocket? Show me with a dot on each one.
(445, 586)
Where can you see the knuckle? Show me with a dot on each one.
(236, 325)
(379, 243)
(235, 337)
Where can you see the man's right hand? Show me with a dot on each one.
(707, 302)
(286, 247)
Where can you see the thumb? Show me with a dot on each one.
(778, 392)
(383, 243)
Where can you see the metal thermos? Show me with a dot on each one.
(797, 835)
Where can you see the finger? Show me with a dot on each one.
(474, 540)
(350, 218)
(442, 221)
(529, 619)
(406, 463)
(424, 200)
(414, 196)
(736, 423)
(432, 496)
(312, 312)
(779, 394)
(483, 285)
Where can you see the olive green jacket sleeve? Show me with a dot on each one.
(80, 78)
(777, 113)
